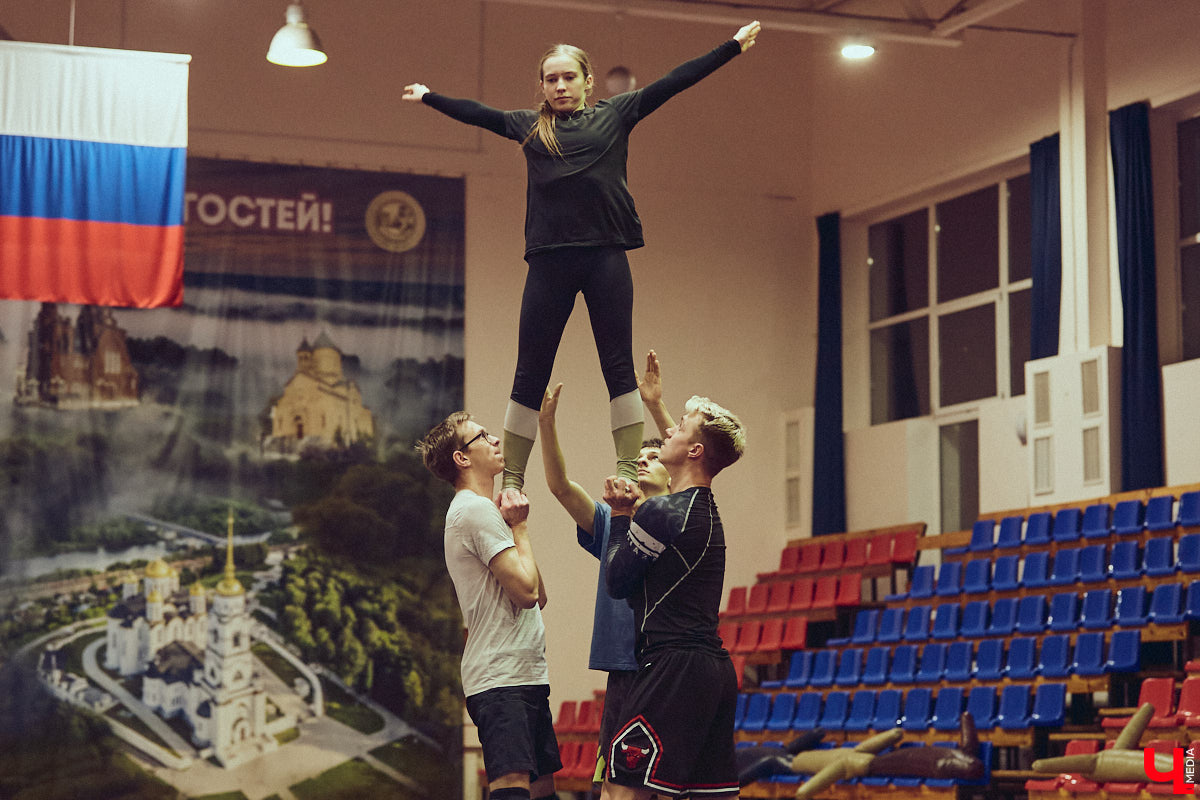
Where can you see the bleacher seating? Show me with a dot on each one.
(1019, 611)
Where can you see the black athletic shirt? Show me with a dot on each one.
(669, 562)
(582, 198)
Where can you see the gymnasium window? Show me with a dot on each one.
(949, 289)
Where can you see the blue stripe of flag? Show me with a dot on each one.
(91, 181)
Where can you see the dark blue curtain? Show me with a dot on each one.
(829, 462)
(1141, 407)
(1046, 236)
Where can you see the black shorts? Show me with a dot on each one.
(619, 684)
(516, 731)
(677, 737)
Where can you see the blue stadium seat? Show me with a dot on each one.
(1054, 656)
(983, 534)
(849, 667)
(1066, 525)
(922, 582)
(1188, 557)
(887, 709)
(833, 714)
(1097, 609)
(1128, 517)
(1004, 573)
(808, 712)
(739, 710)
(945, 621)
(890, 625)
(799, 670)
(1031, 614)
(875, 669)
(949, 579)
(1004, 617)
(862, 709)
(947, 708)
(1188, 515)
(1013, 713)
(1097, 522)
(958, 662)
(1009, 535)
(1064, 612)
(1124, 652)
(865, 623)
(1037, 528)
(1123, 561)
(1065, 568)
(974, 619)
(1035, 571)
(1049, 706)
(1166, 604)
(1160, 514)
(933, 663)
(1131, 607)
(758, 708)
(977, 576)
(916, 624)
(1088, 657)
(782, 711)
(1158, 557)
(904, 664)
(1093, 564)
(918, 705)
(981, 703)
(1191, 601)
(1021, 662)
(989, 660)
(823, 669)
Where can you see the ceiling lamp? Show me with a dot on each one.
(296, 44)
(857, 50)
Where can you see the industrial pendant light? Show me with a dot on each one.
(296, 44)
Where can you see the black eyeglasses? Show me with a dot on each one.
(481, 435)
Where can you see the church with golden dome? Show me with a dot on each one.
(195, 661)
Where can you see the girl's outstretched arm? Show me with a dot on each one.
(468, 111)
(691, 72)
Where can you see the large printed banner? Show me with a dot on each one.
(271, 417)
(93, 145)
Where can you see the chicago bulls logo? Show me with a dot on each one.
(633, 756)
(634, 750)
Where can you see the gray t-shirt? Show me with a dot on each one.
(506, 645)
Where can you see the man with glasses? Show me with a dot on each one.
(500, 591)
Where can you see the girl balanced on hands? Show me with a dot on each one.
(579, 221)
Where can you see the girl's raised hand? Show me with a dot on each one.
(746, 36)
(415, 91)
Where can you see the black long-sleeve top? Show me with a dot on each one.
(582, 198)
(669, 563)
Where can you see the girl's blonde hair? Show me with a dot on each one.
(543, 127)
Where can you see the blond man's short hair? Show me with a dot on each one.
(721, 433)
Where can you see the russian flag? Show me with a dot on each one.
(93, 156)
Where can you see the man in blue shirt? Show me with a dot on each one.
(613, 634)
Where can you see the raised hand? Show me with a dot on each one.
(549, 404)
(650, 384)
(746, 36)
(621, 495)
(415, 91)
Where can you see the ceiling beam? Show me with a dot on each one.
(771, 19)
(988, 8)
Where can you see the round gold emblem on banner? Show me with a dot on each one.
(395, 221)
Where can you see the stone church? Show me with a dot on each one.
(79, 364)
(319, 405)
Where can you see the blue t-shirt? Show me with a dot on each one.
(613, 633)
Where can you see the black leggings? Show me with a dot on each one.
(554, 278)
